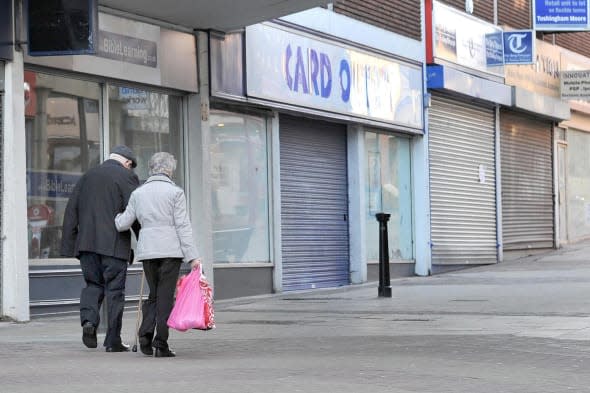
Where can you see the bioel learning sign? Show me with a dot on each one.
(286, 66)
(560, 15)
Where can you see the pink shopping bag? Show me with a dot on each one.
(193, 308)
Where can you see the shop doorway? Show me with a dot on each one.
(314, 204)
(562, 185)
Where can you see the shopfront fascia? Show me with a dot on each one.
(316, 82)
(134, 91)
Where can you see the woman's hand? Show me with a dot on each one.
(195, 263)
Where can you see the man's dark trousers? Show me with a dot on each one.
(104, 276)
(161, 275)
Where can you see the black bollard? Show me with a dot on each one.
(384, 281)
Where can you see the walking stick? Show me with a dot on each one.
(134, 349)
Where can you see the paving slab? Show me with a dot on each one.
(518, 326)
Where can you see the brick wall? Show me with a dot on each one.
(403, 17)
(483, 9)
(399, 16)
(515, 13)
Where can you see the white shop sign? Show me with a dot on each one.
(290, 67)
(575, 85)
(466, 40)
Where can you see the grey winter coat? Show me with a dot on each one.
(160, 207)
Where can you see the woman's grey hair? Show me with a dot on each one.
(162, 162)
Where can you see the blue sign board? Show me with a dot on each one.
(560, 15)
(494, 49)
(519, 47)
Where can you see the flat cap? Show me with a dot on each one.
(126, 152)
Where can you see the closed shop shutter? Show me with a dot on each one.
(314, 204)
(462, 182)
(527, 182)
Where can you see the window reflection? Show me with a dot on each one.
(147, 122)
(63, 141)
(239, 178)
(388, 190)
(578, 185)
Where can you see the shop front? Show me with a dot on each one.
(467, 89)
(76, 108)
(529, 206)
(573, 162)
(527, 181)
(340, 123)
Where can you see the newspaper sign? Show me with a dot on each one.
(575, 85)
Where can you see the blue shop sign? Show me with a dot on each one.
(519, 47)
(51, 184)
(494, 49)
(288, 67)
(562, 15)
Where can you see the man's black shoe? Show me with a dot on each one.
(145, 346)
(118, 348)
(164, 353)
(89, 335)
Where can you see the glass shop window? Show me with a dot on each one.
(147, 122)
(388, 190)
(239, 177)
(62, 126)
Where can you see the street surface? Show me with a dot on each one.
(520, 326)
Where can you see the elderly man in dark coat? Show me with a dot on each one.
(89, 234)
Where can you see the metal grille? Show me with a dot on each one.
(527, 182)
(462, 183)
(314, 204)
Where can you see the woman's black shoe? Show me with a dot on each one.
(164, 353)
(145, 346)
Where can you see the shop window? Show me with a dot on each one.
(147, 122)
(227, 64)
(578, 185)
(64, 140)
(239, 177)
(388, 190)
(62, 126)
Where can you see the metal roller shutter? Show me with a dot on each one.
(527, 182)
(314, 204)
(463, 208)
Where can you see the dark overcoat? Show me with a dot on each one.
(89, 219)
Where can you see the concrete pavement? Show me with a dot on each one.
(519, 326)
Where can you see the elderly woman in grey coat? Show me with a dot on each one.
(165, 240)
